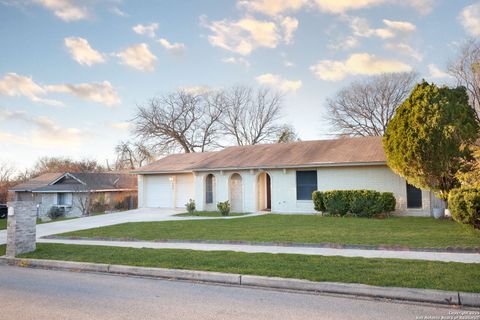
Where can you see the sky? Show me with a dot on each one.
(73, 72)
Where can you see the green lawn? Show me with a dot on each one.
(406, 231)
(208, 214)
(3, 224)
(3, 248)
(380, 272)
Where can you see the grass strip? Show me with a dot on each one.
(378, 272)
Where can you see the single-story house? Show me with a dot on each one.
(78, 193)
(276, 177)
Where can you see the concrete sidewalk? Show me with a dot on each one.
(137, 215)
(415, 255)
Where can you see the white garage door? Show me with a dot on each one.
(184, 189)
(159, 192)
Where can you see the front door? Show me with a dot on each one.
(236, 193)
(269, 192)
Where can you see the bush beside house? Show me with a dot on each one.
(464, 204)
(361, 203)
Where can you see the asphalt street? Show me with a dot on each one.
(46, 294)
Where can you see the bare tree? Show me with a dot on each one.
(466, 70)
(251, 116)
(58, 164)
(365, 108)
(287, 134)
(181, 120)
(131, 155)
(6, 180)
(83, 202)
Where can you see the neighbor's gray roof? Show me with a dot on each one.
(346, 151)
(86, 181)
(40, 181)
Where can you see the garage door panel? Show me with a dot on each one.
(159, 192)
(184, 190)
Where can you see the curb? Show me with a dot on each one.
(403, 294)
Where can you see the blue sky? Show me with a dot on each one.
(73, 72)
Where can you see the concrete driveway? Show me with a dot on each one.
(137, 215)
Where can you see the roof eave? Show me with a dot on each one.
(161, 172)
(310, 165)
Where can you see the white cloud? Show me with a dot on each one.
(422, 6)
(44, 132)
(343, 6)
(82, 52)
(148, 30)
(344, 44)
(176, 48)
(357, 64)
(435, 72)
(279, 7)
(279, 83)
(470, 19)
(247, 34)
(272, 7)
(100, 92)
(403, 26)
(120, 125)
(118, 12)
(361, 28)
(404, 48)
(237, 60)
(15, 85)
(138, 57)
(289, 25)
(67, 10)
(49, 134)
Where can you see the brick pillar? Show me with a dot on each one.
(21, 227)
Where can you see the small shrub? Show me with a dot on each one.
(122, 205)
(56, 212)
(365, 203)
(336, 202)
(318, 203)
(388, 201)
(224, 207)
(98, 207)
(190, 206)
(464, 204)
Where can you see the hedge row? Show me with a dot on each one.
(464, 204)
(361, 203)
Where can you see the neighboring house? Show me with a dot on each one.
(276, 177)
(79, 193)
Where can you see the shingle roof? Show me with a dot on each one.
(346, 151)
(177, 162)
(37, 182)
(80, 182)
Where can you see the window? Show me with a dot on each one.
(209, 188)
(414, 197)
(306, 184)
(61, 199)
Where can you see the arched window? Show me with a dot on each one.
(209, 181)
